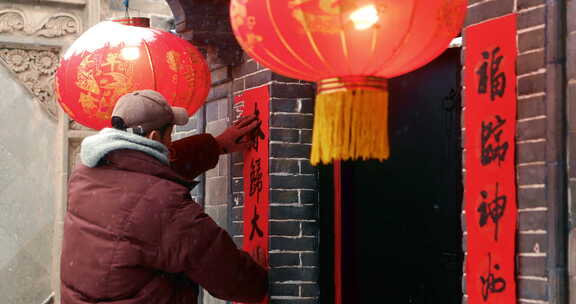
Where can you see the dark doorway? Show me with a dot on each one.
(401, 237)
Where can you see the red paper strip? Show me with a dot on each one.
(490, 183)
(256, 177)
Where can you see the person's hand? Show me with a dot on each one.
(238, 136)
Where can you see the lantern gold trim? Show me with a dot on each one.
(134, 21)
(351, 119)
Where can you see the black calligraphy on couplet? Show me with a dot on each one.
(255, 178)
(493, 149)
(492, 209)
(490, 77)
(257, 134)
(490, 283)
(254, 225)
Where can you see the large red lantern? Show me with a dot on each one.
(349, 48)
(112, 59)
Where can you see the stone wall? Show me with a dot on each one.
(27, 172)
(38, 144)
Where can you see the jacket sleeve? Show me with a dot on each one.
(194, 244)
(193, 155)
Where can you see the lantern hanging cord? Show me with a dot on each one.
(127, 5)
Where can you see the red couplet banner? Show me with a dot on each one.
(256, 177)
(490, 183)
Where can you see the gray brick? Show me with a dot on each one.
(284, 166)
(281, 78)
(277, 290)
(297, 244)
(532, 266)
(310, 259)
(244, 69)
(284, 259)
(293, 182)
(285, 135)
(310, 228)
(531, 40)
(532, 221)
(531, 197)
(571, 11)
(532, 129)
(306, 167)
(289, 212)
(488, 10)
(306, 136)
(523, 4)
(237, 169)
(237, 213)
(532, 107)
(212, 111)
(532, 84)
(284, 228)
(286, 150)
(237, 185)
(281, 90)
(531, 152)
(219, 75)
(530, 62)
(293, 274)
(533, 289)
(238, 85)
(238, 239)
(571, 97)
(531, 18)
(298, 121)
(284, 105)
(531, 175)
(308, 196)
(238, 198)
(258, 79)
(529, 243)
(306, 105)
(283, 196)
(310, 290)
(571, 52)
(572, 152)
(223, 109)
(218, 92)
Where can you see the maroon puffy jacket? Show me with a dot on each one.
(132, 234)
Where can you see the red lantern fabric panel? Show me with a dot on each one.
(111, 59)
(490, 183)
(256, 176)
(320, 39)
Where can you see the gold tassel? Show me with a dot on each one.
(351, 123)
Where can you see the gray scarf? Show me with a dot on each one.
(95, 147)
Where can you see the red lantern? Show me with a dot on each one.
(112, 59)
(350, 48)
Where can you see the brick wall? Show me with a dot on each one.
(532, 141)
(571, 108)
(293, 185)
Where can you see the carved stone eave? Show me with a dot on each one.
(216, 37)
(31, 50)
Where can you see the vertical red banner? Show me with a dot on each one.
(490, 182)
(256, 176)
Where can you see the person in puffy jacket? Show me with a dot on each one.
(132, 233)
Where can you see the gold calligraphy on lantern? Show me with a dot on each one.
(102, 82)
